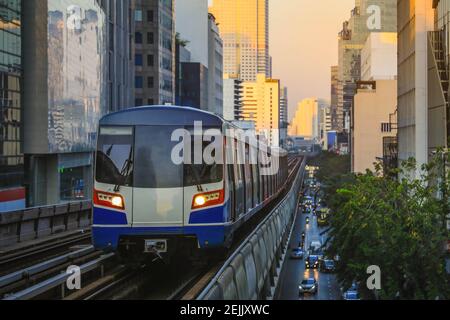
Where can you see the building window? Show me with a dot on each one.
(150, 15)
(138, 60)
(386, 127)
(138, 38)
(150, 38)
(150, 60)
(138, 82)
(138, 15)
(150, 82)
(151, 102)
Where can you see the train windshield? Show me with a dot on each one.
(142, 158)
(114, 163)
(154, 167)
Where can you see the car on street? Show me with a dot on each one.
(328, 266)
(352, 293)
(308, 285)
(297, 253)
(312, 262)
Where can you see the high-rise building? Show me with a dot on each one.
(379, 57)
(244, 28)
(324, 123)
(232, 98)
(261, 104)
(154, 50)
(201, 37)
(120, 58)
(308, 119)
(423, 74)
(64, 98)
(194, 85)
(284, 109)
(182, 55)
(365, 18)
(215, 67)
(12, 191)
(192, 23)
(373, 130)
(335, 115)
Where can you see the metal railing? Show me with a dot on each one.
(35, 223)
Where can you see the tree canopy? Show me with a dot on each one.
(396, 224)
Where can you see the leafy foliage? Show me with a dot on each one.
(396, 224)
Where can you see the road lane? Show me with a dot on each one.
(295, 270)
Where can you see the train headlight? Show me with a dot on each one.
(109, 200)
(117, 202)
(200, 201)
(208, 199)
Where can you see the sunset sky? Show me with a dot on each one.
(303, 44)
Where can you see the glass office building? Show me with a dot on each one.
(12, 193)
(64, 98)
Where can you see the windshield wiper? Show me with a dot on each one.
(125, 169)
(197, 181)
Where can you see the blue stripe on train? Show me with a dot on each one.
(210, 215)
(109, 217)
(107, 238)
(206, 216)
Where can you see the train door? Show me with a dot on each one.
(158, 180)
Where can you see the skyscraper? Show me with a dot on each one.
(335, 115)
(244, 27)
(365, 18)
(423, 74)
(261, 104)
(154, 43)
(232, 98)
(284, 107)
(310, 118)
(215, 67)
(12, 192)
(64, 95)
(121, 59)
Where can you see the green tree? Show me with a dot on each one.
(396, 224)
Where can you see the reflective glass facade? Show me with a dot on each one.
(11, 157)
(244, 28)
(76, 74)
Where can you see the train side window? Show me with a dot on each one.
(232, 184)
(248, 178)
(238, 179)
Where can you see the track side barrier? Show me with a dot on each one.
(36, 223)
(252, 271)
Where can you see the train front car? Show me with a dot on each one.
(154, 191)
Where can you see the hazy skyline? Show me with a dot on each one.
(304, 45)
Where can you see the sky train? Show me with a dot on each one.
(146, 201)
